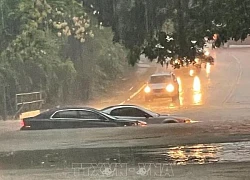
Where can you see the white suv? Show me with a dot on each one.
(161, 86)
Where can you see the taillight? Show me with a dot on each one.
(22, 123)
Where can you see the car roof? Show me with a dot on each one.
(49, 112)
(111, 108)
(74, 107)
(121, 105)
(162, 74)
(69, 108)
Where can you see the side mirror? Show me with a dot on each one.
(147, 116)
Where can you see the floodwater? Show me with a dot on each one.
(178, 155)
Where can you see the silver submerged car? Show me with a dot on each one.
(162, 85)
(143, 114)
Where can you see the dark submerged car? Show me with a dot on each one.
(63, 118)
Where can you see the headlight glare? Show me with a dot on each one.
(147, 89)
(170, 88)
(191, 72)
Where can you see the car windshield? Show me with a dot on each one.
(154, 114)
(159, 79)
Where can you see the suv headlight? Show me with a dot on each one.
(147, 89)
(191, 72)
(170, 88)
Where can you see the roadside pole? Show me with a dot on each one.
(4, 103)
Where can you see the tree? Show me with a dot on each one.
(50, 46)
(137, 24)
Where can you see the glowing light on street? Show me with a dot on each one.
(170, 88)
(201, 152)
(197, 97)
(191, 72)
(147, 89)
(180, 91)
(197, 84)
(208, 69)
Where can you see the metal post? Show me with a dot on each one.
(4, 103)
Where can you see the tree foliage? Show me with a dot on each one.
(55, 47)
(141, 24)
(65, 48)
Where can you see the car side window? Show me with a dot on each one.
(89, 115)
(120, 112)
(66, 114)
(131, 112)
(138, 113)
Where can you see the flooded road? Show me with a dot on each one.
(176, 155)
(201, 153)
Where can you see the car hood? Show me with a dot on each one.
(176, 117)
(158, 86)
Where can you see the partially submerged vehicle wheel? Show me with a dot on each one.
(169, 121)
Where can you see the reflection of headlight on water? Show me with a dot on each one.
(197, 90)
(197, 98)
(147, 89)
(201, 153)
(170, 88)
(180, 91)
(197, 84)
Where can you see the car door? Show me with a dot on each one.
(63, 119)
(41, 124)
(36, 123)
(91, 119)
